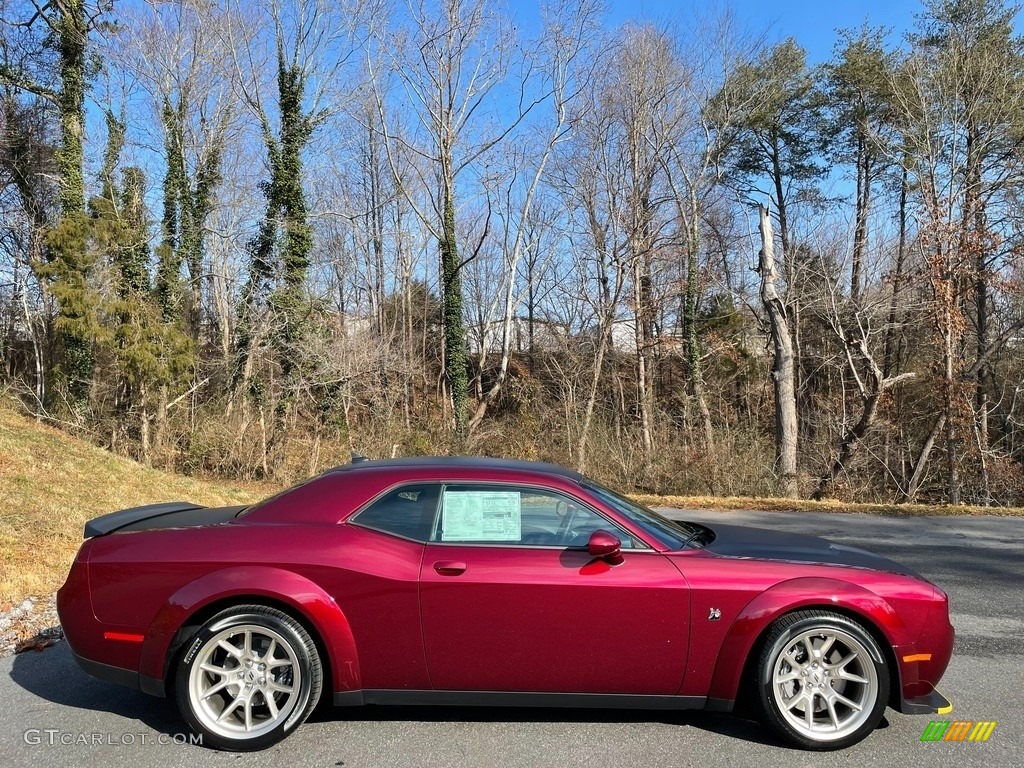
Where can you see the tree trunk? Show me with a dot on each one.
(160, 423)
(588, 412)
(783, 370)
(952, 475)
(144, 433)
(922, 458)
(889, 355)
(455, 373)
(641, 295)
(690, 336)
(860, 234)
(72, 35)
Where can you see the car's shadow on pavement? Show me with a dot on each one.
(725, 725)
(53, 676)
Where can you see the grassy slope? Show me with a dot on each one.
(51, 483)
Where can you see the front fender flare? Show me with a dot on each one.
(786, 597)
(250, 583)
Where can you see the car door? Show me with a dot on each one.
(376, 585)
(512, 601)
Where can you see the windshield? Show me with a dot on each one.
(670, 533)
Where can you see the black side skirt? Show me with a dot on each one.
(516, 699)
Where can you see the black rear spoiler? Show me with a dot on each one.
(171, 514)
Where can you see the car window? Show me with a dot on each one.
(407, 511)
(518, 516)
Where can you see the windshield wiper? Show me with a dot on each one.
(697, 533)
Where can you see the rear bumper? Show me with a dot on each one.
(120, 676)
(106, 651)
(108, 672)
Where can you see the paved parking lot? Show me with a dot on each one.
(47, 700)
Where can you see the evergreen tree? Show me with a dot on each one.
(860, 93)
(773, 142)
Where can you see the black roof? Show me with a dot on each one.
(475, 462)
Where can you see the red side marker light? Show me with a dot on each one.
(127, 637)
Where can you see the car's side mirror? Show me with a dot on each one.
(605, 545)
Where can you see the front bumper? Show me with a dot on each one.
(933, 703)
(922, 664)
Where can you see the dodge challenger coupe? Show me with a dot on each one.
(489, 582)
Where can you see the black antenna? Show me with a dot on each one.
(357, 457)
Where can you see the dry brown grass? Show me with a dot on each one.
(51, 483)
(829, 505)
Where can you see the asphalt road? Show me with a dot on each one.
(51, 713)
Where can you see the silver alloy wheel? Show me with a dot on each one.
(245, 682)
(824, 683)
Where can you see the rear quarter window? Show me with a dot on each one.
(407, 511)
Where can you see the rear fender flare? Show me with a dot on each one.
(250, 583)
(794, 595)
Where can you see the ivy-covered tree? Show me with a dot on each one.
(188, 197)
(150, 354)
(62, 31)
(280, 251)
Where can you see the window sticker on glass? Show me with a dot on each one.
(481, 516)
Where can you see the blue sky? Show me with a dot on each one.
(812, 22)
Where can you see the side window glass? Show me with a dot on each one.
(407, 511)
(513, 516)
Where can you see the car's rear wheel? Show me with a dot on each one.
(822, 680)
(248, 678)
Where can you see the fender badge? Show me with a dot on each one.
(714, 614)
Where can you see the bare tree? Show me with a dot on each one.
(961, 102)
(701, 113)
(449, 59)
(570, 30)
(857, 328)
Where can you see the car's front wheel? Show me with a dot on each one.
(249, 677)
(822, 680)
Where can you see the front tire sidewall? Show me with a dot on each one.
(306, 658)
(779, 638)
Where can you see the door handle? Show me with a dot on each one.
(449, 567)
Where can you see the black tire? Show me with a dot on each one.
(253, 697)
(822, 681)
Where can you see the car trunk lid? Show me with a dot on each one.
(172, 514)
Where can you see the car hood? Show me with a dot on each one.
(767, 544)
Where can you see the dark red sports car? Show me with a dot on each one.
(478, 581)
